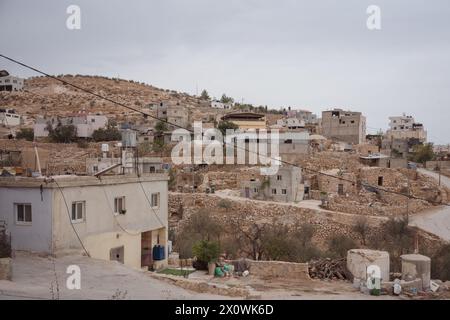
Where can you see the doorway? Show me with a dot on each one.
(146, 249)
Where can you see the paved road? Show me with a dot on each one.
(33, 277)
(436, 220)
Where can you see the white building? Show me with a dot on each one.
(10, 83)
(405, 127)
(121, 218)
(291, 123)
(85, 124)
(220, 105)
(9, 117)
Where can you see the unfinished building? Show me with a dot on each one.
(346, 126)
(284, 186)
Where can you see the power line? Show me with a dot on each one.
(190, 130)
(70, 218)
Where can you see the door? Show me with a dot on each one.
(146, 249)
(247, 192)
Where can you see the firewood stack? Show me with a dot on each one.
(331, 269)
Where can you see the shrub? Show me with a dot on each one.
(26, 134)
(206, 251)
(62, 133)
(109, 133)
(339, 245)
(440, 266)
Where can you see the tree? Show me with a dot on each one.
(422, 153)
(62, 133)
(440, 268)
(362, 228)
(204, 95)
(224, 125)
(26, 134)
(158, 140)
(339, 245)
(110, 133)
(206, 251)
(226, 99)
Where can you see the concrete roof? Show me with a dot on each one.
(65, 181)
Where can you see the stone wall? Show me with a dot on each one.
(279, 269)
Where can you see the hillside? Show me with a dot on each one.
(46, 96)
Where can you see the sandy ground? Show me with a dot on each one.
(293, 289)
(33, 276)
(435, 220)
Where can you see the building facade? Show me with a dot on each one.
(85, 124)
(284, 186)
(118, 218)
(346, 126)
(9, 117)
(10, 83)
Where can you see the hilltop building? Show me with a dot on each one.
(345, 126)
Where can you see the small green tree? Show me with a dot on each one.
(339, 245)
(110, 133)
(422, 153)
(224, 125)
(204, 95)
(25, 134)
(362, 228)
(226, 99)
(62, 133)
(206, 251)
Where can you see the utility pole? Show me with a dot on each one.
(407, 202)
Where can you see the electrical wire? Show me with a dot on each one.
(190, 130)
(70, 218)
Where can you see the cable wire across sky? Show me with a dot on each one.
(366, 185)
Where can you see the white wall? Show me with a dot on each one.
(100, 223)
(34, 237)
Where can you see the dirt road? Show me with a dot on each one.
(435, 220)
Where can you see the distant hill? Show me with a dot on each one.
(46, 96)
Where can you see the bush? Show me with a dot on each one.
(62, 133)
(5, 246)
(206, 251)
(339, 245)
(26, 134)
(109, 133)
(440, 266)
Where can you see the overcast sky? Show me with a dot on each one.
(304, 54)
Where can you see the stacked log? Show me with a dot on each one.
(331, 269)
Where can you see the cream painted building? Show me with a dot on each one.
(246, 120)
(116, 218)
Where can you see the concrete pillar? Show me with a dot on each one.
(416, 266)
(359, 259)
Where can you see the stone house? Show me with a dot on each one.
(284, 186)
(346, 185)
(346, 126)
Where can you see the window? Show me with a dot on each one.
(279, 177)
(274, 191)
(283, 191)
(78, 211)
(155, 200)
(119, 205)
(255, 190)
(380, 181)
(95, 168)
(23, 213)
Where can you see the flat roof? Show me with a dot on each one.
(65, 181)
